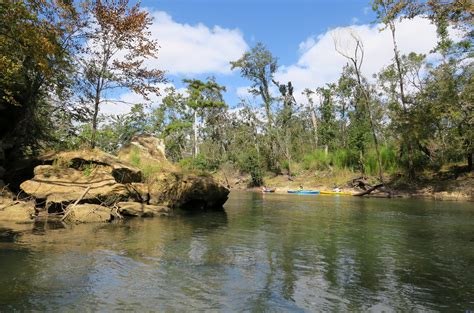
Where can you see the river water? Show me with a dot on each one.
(270, 252)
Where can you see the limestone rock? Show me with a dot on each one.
(85, 159)
(147, 150)
(168, 185)
(18, 211)
(194, 193)
(140, 192)
(141, 209)
(89, 213)
(58, 185)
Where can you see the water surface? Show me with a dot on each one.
(264, 253)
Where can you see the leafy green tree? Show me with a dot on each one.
(363, 91)
(37, 39)
(201, 97)
(259, 66)
(328, 125)
(117, 43)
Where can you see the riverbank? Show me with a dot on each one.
(447, 185)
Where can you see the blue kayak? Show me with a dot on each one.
(304, 192)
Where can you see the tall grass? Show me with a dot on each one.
(319, 160)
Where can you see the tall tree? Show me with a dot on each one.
(117, 44)
(36, 43)
(356, 59)
(202, 96)
(259, 66)
(314, 120)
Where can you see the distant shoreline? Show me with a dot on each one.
(449, 190)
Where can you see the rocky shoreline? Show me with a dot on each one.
(93, 186)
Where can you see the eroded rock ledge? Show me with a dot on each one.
(93, 186)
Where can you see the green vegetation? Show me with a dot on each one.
(415, 114)
(87, 169)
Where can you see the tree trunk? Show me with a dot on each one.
(288, 153)
(469, 162)
(94, 122)
(372, 126)
(98, 89)
(368, 191)
(195, 148)
(315, 124)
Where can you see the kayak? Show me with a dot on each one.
(336, 193)
(304, 192)
(269, 190)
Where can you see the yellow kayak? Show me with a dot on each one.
(342, 193)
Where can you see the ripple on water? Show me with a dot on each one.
(266, 253)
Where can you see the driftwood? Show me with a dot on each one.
(71, 208)
(362, 182)
(368, 191)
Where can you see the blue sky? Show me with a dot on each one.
(198, 38)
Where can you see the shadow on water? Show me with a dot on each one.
(8, 235)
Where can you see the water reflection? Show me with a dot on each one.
(265, 253)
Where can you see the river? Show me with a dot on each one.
(264, 253)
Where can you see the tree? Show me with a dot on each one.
(285, 119)
(314, 120)
(356, 59)
(117, 44)
(430, 103)
(37, 39)
(388, 11)
(202, 96)
(327, 129)
(259, 66)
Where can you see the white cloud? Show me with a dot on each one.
(243, 92)
(319, 63)
(194, 49)
(124, 102)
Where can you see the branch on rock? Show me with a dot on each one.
(71, 208)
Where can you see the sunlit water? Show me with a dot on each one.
(265, 253)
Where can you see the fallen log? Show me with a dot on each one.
(368, 191)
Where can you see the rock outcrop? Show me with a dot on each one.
(191, 192)
(141, 209)
(17, 211)
(89, 213)
(168, 185)
(98, 187)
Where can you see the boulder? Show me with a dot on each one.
(17, 211)
(85, 159)
(148, 151)
(140, 191)
(59, 185)
(168, 185)
(141, 209)
(191, 192)
(89, 213)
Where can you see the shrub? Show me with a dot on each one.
(317, 160)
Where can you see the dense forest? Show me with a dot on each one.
(61, 60)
